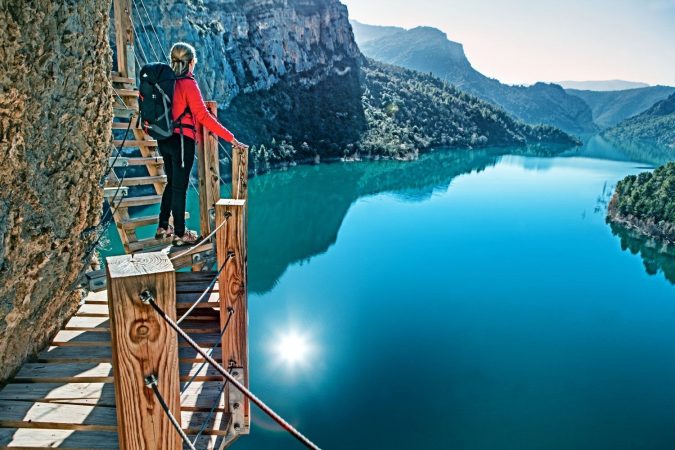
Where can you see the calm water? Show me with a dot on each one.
(468, 300)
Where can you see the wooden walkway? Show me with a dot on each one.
(65, 396)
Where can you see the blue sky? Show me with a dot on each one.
(524, 41)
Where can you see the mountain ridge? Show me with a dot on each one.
(432, 52)
(576, 111)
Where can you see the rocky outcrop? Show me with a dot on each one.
(250, 45)
(55, 112)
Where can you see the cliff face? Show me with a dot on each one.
(55, 112)
(250, 45)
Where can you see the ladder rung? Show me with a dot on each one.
(124, 113)
(131, 224)
(135, 143)
(136, 222)
(138, 181)
(145, 200)
(118, 161)
(118, 79)
(110, 192)
(145, 244)
(125, 92)
(123, 126)
(144, 161)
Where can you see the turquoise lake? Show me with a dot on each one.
(468, 300)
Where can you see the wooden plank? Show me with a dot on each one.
(126, 92)
(60, 416)
(88, 310)
(58, 373)
(139, 181)
(125, 113)
(59, 354)
(143, 345)
(124, 37)
(122, 126)
(102, 394)
(134, 143)
(144, 200)
(143, 161)
(137, 222)
(33, 438)
(209, 175)
(239, 173)
(112, 191)
(196, 396)
(231, 240)
(56, 416)
(79, 338)
(86, 323)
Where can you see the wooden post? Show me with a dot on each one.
(209, 176)
(231, 246)
(143, 345)
(124, 38)
(239, 173)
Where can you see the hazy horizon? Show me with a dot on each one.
(580, 41)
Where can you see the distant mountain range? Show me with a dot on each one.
(428, 50)
(656, 125)
(611, 107)
(602, 85)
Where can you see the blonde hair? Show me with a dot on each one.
(182, 55)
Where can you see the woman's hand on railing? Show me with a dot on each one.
(236, 143)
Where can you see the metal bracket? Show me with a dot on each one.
(237, 426)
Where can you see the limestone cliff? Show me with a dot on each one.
(55, 112)
(249, 45)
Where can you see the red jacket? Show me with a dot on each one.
(186, 94)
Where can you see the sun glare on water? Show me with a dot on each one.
(293, 348)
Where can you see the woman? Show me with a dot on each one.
(190, 113)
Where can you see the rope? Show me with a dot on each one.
(208, 417)
(230, 312)
(131, 21)
(208, 290)
(119, 151)
(200, 243)
(119, 97)
(159, 41)
(145, 31)
(146, 297)
(151, 382)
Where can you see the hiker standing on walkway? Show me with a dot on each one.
(189, 113)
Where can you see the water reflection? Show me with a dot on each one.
(615, 150)
(310, 203)
(656, 257)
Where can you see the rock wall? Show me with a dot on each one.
(250, 45)
(55, 112)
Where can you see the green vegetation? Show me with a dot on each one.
(654, 126)
(408, 111)
(647, 196)
(372, 110)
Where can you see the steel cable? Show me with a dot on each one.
(146, 297)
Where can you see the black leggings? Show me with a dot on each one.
(178, 177)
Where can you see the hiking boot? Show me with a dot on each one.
(188, 238)
(163, 233)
